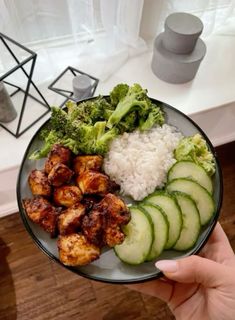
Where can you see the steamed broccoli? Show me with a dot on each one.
(129, 123)
(155, 116)
(59, 119)
(135, 99)
(87, 139)
(89, 111)
(118, 93)
(103, 140)
(52, 138)
(88, 127)
(95, 139)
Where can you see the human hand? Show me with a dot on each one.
(198, 287)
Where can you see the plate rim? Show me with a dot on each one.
(158, 273)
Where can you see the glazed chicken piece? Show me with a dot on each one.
(40, 211)
(103, 224)
(115, 208)
(58, 154)
(67, 196)
(93, 226)
(90, 200)
(87, 162)
(113, 235)
(92, 182)
(39, 184)
(75, 250)
(70, 219)
(117, 215)
(60, 174)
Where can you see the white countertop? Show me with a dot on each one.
(209, 99)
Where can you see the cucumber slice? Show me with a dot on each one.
(200, 195)
(161, 229)
(191, 222)
(168, 204)
(139, 237)
(191, 170)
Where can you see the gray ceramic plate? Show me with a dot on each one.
(109, 268)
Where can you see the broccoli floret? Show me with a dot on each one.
(72, 144)
(75, 112)
(95, 139)
(99, 109)
(86, 140)
(155, 116)
(128, 123)
(89, 111)
(59, 119)
(44, 132)
(118, 93)
(52, 138)
(102, 143)
(135, 99)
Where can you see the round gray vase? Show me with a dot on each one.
(176, 68)
(178, 51)
(181, 32)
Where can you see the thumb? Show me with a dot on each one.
(195, 269)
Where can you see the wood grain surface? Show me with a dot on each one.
(32, 287)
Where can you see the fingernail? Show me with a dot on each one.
(167, 265)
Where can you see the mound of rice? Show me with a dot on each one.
(139, 162)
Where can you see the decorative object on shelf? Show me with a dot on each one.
(22, 107)
(74, 84)
(178, 51)
(7, 110)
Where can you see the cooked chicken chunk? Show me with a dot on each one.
(89, 201)
(40, 211)
(58, 154)
(71, 219)
(75, 250)
(87, 162)
(67, 195)
(113, 235)
(93, 226)
(115, 208)
(59, 175)
(117, 215)
(39, 184)
(103, 224)
(92, 182)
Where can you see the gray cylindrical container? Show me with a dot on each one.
(7, 110)
(176, 68)
(182, 31)
(82, 87)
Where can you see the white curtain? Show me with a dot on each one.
(95, 36)
(218, 16)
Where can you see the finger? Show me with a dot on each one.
(195, 269)
(218, 247)
(157, 288)
(218, 236)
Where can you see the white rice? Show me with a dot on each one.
(139, 162)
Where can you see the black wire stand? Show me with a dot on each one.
(68, 94)
(20, 65)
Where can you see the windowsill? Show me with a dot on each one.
(209, 99)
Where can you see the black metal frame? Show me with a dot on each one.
(69, 95)
(20, 65)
